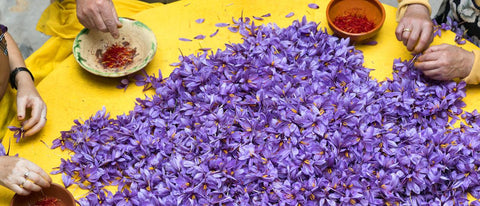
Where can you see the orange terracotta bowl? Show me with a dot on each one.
(373, 10)
(55, 195)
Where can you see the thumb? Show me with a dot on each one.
(117, 20)
(119, 24)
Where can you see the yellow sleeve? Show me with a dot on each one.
(403, 4)
(474, 76)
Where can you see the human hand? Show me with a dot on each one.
(445, 62)
(415, 29)
(28, 97)
(22, 176)
(98, 14)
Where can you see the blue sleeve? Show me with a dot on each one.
(3, 28)
(3, 42)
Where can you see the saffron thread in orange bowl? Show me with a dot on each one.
(354, 23)
(353, 11)
(49, 201)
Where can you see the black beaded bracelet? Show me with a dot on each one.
(14, 74)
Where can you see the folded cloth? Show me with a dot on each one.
(59, 20)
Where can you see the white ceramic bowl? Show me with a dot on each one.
(89, 45)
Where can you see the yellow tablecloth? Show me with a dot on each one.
(73, 93)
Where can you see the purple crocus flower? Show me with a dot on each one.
(18, 132)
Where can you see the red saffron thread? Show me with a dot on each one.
(48, 201)
(354, 23)
(117, 56)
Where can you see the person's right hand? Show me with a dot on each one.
(22, 176)
(28, 99)
(445, 62)
(415, 29)
(98, 14)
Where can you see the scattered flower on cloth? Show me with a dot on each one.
(452, 25)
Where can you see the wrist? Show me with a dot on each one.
(473, 76)
(18, 74)
(404, 4)
(468, 64)
(418, 9)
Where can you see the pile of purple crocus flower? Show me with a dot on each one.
(290, 116)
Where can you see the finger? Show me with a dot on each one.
(38, 180)
(111, 22)
(36, 114)
(39, 171)
(31, 186)
(405, 36)
(36, 128)
(85, 19)
(399, 31)
(18, 189)
(427, 66)
(86, 22)
(39, 125)
(112, 27)
(428, 56)
(435, 74)
(413, 39)
(99, 22)
(115, 16)
(119, 24)
(425, 39)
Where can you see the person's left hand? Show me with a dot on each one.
(415, 29)
(445, 62)
(29, 98)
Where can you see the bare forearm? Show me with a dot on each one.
(474, 75)
(4, 74)
(14, 55)
(22, 79)
(31, 109)
(4, 68)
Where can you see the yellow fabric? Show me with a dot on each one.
(474, 76)
(73, 93)
(403, 5)
(59, 21)
(7, 110)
